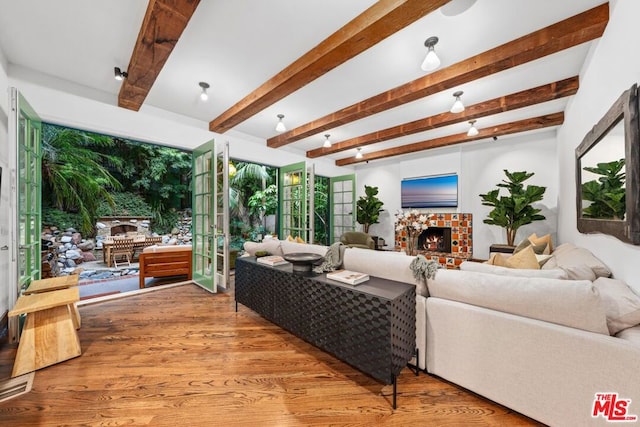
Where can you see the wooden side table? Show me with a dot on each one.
(54, 284)
(49, 335)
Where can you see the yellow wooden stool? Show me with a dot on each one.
(54, 284)
(49, 334)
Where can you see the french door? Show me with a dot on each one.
(24, 172)
(343, 202)
(292, 195)
(296, 196)
(210, 216)
(221, 225)
(25, 132)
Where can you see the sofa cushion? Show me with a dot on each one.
(621, 304)
(293, 247)
(272, 246)
(576, 262)
(631, 335)
(573, 303)
(385, 264)
(479, 267)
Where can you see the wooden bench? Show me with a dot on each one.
(165, 261)
(49, 334)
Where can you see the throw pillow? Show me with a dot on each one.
(299, 240)
(526, 258)
(544, 240)
(290, 239)
(538, 249)
(542, 259)
(569, 257)
(498, 260)
(621, 304)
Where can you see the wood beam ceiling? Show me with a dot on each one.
(381, 20)
(534, 123)
(525, 98)
(570, 32)
(161, 28)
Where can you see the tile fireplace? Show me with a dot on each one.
(448, 240)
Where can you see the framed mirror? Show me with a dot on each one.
(608, 171)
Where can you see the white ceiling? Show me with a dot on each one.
(236, 45)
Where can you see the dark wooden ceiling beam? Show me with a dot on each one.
(161, 28)
(540, 122)
(525, 98)
(378, 22)
(570, 32)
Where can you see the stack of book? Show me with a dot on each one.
(271, 260)
(348, 277)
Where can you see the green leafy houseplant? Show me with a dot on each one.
(607, 193)
(515, 209)
(368, 208)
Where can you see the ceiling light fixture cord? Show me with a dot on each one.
(458, 106)
(431, 61)
(327, 143)
(280, 127)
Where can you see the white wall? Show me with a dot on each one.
(479, 167)
(6, 267)
(613, 66)
(68, 104)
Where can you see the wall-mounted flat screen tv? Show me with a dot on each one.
(439, 191)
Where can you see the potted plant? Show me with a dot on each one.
(607, 193)
(515, 209)
(368, 208)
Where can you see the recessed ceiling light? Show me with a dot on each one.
(456, 7)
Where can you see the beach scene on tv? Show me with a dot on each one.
(429, 192)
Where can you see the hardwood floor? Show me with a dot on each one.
(183, 357)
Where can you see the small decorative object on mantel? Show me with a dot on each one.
(411, 224)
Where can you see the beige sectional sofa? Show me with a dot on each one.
(541, 342)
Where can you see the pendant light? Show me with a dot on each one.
(280, 127)
(473, 130)
(204, 96)
(458, 106)
(431, 61)
(327, 143)
(359, 153)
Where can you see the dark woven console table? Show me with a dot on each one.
(370, 326)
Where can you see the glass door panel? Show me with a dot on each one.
(344, 205)
(25, 135)
(204, 190)
(293, 201)
(222, 219)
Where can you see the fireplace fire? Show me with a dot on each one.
(435, 239)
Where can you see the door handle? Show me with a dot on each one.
(4, 248)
